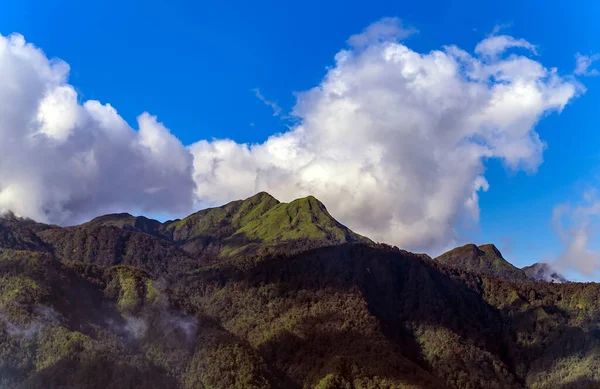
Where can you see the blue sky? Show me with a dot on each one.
(195, 65)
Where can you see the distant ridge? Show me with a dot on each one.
(485, 259)
(129, 222)
(544, 272)
(257, 225)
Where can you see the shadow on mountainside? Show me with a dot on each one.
(406, 293)
(100, 373)
(314, 350)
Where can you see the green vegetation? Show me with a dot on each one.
(17, 289)
(153, 295)
(133, 288)
(260, 225)
(57, 343)
(129, 298)
(333, 381)
(222, 221)
(263, 294)
(302, 218)
(225, 364)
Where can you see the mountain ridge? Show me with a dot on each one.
(257, 225)
(484, 259)
(119, 302)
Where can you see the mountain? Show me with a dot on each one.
(255, 226)
(129, 222)
(21, 234)
(216, 224)
(127, 302)
(485, 259)
(543, 272)
(111, 241)
(260, 223)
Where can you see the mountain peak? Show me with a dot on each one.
(491, 249)
(112, 218)
(310, 203)
(309, 198)
(262, 196)
(261, 222)
(484, 259)
(303, 221)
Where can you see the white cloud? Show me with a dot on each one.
(583, 63)
(63, 162)
(394, 141)
(576, 227)
(59, 112)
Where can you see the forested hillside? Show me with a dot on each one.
(263, 294)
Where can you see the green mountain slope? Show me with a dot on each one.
(122, 302)
(223, 221)
(371, 316)
(299, 225)
(305, 218)
(485, 259)
(86, 327)
(21, 234)
(108, 245)
(260, 224)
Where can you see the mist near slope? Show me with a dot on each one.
(42, 317)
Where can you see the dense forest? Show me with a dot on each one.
(263, 294)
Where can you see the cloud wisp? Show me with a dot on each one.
(385, 30)
(583, 64)
(498, 44)
(392, 140)
(274, 106)
(43, 316)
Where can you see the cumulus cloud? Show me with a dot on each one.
(394, 141)
(63, 161)
(576, 226)
(583, 64)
